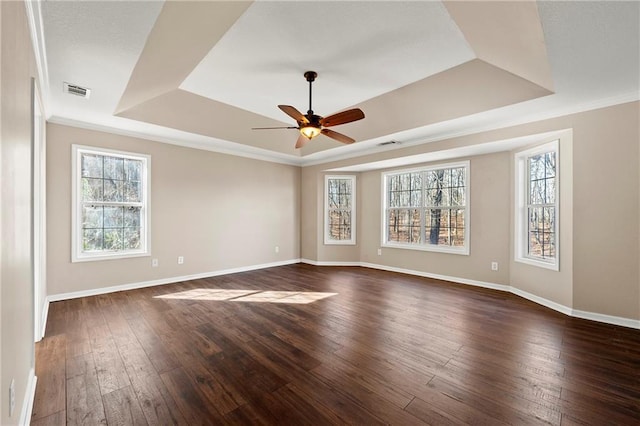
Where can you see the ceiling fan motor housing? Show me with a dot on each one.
(313, 119)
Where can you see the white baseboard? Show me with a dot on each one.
(467, 281)
(43, 319)
(29, 397)
(133, 286)
(542, 301)
(608, 319)
(329, 263)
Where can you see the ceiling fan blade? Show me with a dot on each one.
(293, 113)
(343, 117)
(269, 128)
(301, 141)
(337, 136)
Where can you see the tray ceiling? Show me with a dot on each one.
(203, 73)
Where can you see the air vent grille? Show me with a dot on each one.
(74, 89)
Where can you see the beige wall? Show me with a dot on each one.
(605, 227)
(218, 211)
(310, 210)
(16, 309)
(599, 265)
(489, 210)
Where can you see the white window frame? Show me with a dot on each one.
(522, 186)
(424, 246)
(77, 255)
(327, 238)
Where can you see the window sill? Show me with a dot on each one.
(114, 256)
(436, 249)
(554, 266)
(339, 243)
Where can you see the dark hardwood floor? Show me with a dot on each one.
(370, 347)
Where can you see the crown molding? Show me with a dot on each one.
(325, 157)
(187, 140)
(205, 143)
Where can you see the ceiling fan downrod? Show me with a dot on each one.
(310, 76)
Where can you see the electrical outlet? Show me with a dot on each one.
(494, 266)
(379, 252)
(277, 249)
(180, 260)
(154, 263)
(12, 397)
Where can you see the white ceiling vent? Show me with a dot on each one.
(73, 89)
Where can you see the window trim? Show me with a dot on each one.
(522, 179)
(76, 254)
(352, 240)
(464, 250)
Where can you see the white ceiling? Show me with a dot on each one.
(265, 54)
(361, 51)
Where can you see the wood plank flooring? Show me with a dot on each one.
(370, 347)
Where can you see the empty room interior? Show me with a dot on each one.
(320, 212)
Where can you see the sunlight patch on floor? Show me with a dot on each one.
(271, 296)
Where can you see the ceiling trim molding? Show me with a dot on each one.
(456, 153)
(213, 145)
(325, 157)
(34, 16)
(193, 141)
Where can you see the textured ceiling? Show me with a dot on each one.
(203, 73)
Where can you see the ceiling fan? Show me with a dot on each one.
(311, 125)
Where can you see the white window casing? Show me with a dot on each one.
(110, 204)
(340, 210)
(537, 206)
(427, 208)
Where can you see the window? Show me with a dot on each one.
(110, 204)
(427, 209)
(537, 211)
(340, 210)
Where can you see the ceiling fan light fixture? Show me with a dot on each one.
(311, 125)
(310, 131)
